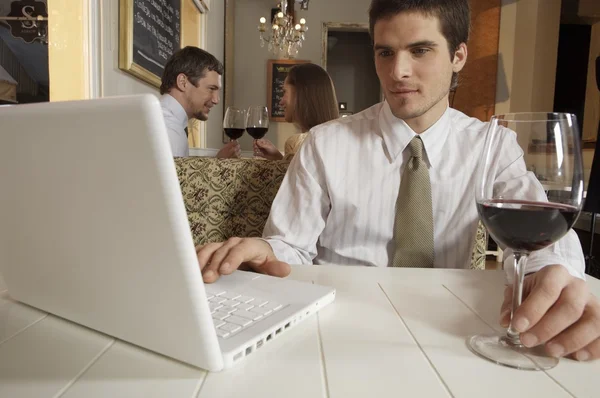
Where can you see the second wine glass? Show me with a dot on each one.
(257, 124)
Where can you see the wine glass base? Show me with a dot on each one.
(499, 350)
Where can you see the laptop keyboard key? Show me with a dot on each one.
(226, 309)
(220, 315)
(244, 307)
(217, 300)
(231, 303)
(239, 320)
(248, 315)
(218, 322)
(245, 299)
(222, 333)
(261, 310)
(230, 295)
(230, 327)
(272, 306)
(214, 306)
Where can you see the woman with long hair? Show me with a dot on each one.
(309, 100)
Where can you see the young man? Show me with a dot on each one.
(190, 88)
(345, 189)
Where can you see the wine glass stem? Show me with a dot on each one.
(519, 260)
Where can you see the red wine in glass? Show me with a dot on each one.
(257, 124)
(234, 122)
(525, 225)
(233, 133)
(257, 132)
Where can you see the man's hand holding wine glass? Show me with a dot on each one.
(558, 311)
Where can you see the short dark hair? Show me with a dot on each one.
(315, 101)
(454, 17)
(192, 62)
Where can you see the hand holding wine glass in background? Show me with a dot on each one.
(558, 315)
(257, 124)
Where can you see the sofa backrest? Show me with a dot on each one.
(232, 197)
(228, 197)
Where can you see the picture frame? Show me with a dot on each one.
(145, 65)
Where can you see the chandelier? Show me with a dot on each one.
(286, 36)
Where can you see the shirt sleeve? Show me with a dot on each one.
(300, 208)
(512, 178)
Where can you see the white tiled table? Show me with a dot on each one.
(390, 333)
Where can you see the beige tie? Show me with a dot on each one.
(413, 226)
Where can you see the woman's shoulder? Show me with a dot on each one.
(294, 142)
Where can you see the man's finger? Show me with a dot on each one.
(590, 352)
(565, 312)
(205, 252)
(579, 335)
(218, 255)
(544, 293)
(275, 268)
(251, 251)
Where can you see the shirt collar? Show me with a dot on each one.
(397, 134)
(178, 112)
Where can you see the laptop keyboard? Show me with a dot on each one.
(232, 312)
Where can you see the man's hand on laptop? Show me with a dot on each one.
(223, 258)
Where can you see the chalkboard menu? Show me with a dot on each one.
(277, 71)
(150, 34)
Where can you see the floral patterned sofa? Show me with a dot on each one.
(232, 197)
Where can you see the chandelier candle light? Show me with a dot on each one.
(286, 37)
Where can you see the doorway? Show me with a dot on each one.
(347, 55)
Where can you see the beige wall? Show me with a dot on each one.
(528, 47)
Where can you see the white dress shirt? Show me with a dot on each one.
(176, 121)
(336, 204)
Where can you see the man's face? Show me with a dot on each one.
(287, 101)
(414, 66)
(200, 98)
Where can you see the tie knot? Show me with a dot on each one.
(416, 147)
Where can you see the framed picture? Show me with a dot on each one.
(277, 71)
(149, 33)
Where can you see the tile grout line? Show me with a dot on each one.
(23, 329)
(322, 354)
(63, 390)
(494, 329)
(437, 373)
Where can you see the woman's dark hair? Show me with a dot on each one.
(315, 101)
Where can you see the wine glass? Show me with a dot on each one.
(257, 124)
(525, 212)
(234, 122)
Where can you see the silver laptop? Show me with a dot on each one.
(93, 229)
